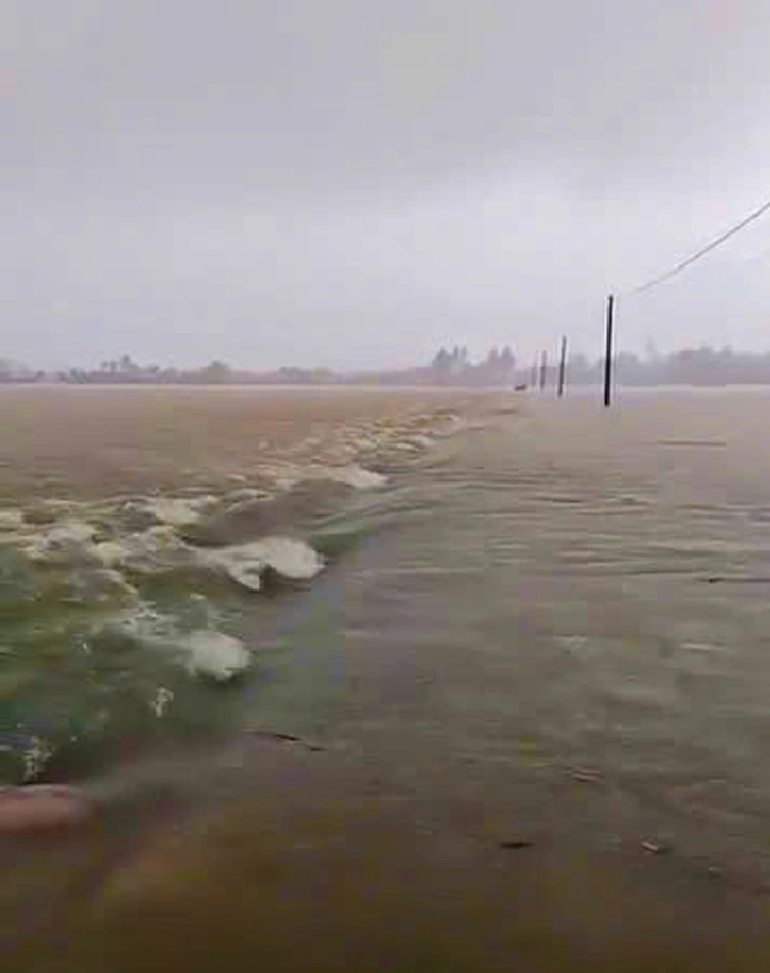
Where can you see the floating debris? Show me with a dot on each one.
(655, 847)
(516, 844)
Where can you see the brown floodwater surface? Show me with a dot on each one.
(519, 722)
(91, 441)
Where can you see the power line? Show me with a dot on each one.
(683, 264)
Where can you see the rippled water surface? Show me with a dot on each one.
(140, 530)
(535, 625)
(575, 596)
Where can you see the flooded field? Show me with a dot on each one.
(477, 683)
(136, 528)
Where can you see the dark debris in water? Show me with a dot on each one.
(516, 844)
(286, 738)
(736, 579)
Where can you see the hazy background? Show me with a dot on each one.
(349, 184)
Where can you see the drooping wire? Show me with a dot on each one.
(683, 264)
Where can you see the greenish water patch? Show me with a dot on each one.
(76, 691)
(95, 662)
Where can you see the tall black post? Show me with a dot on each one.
(608, 351)
(543, 371)
(562, 367)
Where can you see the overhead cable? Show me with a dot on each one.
(683, 264)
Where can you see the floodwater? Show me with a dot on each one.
(517, 720)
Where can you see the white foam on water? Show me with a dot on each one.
(359, 478)
(114, 581)
(101, 585)
(447, 425)
(248, 495)
(68, 539)
(180, 511)
(111, 553)
(247, 574)
(423, 441)
(290, 558)
(215, 655)
(288, 476)
(246, 563)
(364, 443)
(145, 624)
(161, 701)
(152, 549)
(202, 652)
(160, 549)
(70, 532)
(11, 520)
(36, 758)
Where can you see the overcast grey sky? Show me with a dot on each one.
(351, 183)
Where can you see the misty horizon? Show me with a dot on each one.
(451, 365)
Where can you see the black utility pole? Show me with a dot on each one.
(562, 367)
(608, 351)
(543, 371)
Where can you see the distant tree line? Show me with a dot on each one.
(125, 371)
(448, 367)
(704, 366)
(455, 366)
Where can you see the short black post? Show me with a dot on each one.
(562, 367)
(543, 371)
(608, 351)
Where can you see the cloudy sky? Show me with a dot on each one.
(352, 183)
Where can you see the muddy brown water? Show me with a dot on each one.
(538, 691)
